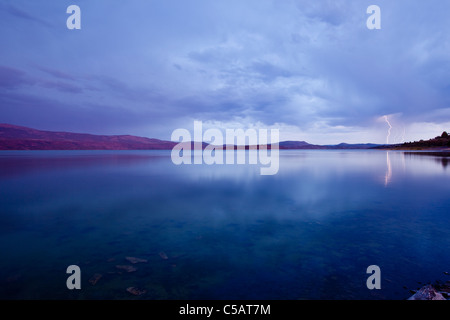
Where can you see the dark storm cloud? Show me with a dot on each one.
(56, 73)
(306, 64)
(61, 86)
(12, 78)
(25, 15)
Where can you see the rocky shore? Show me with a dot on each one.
(435, 291)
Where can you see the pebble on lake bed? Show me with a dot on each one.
(94, 279)
(126, 268)
(163, 255)
(135, 260)
(136, 291)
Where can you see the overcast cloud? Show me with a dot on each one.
(310, 68)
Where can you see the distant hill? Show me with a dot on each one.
(298, 145)
(305, 145)
(22, 138)
(439, 142)
(14, 137)
(302, 145)
(353, 146)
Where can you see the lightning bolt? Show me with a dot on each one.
(403, 136)
(389, 131)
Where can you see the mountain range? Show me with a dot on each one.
(22, 138)
(14, 137)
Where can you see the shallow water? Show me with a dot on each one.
(222, 231)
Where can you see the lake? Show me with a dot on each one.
(222, 231)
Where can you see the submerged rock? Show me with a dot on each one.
(135, 260)
(136, 291)
(444, 289)
(163, 255)
(126, 268)
(94, 279)
(427, 292)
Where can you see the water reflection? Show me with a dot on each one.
(400, 167)
(227, 232)
(26, 162)
(444, 162)
(440, 157)
(388, 175)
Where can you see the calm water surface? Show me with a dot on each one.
(222, 231)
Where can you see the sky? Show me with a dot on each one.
(311, 69)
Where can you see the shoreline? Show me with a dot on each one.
(433, 291)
